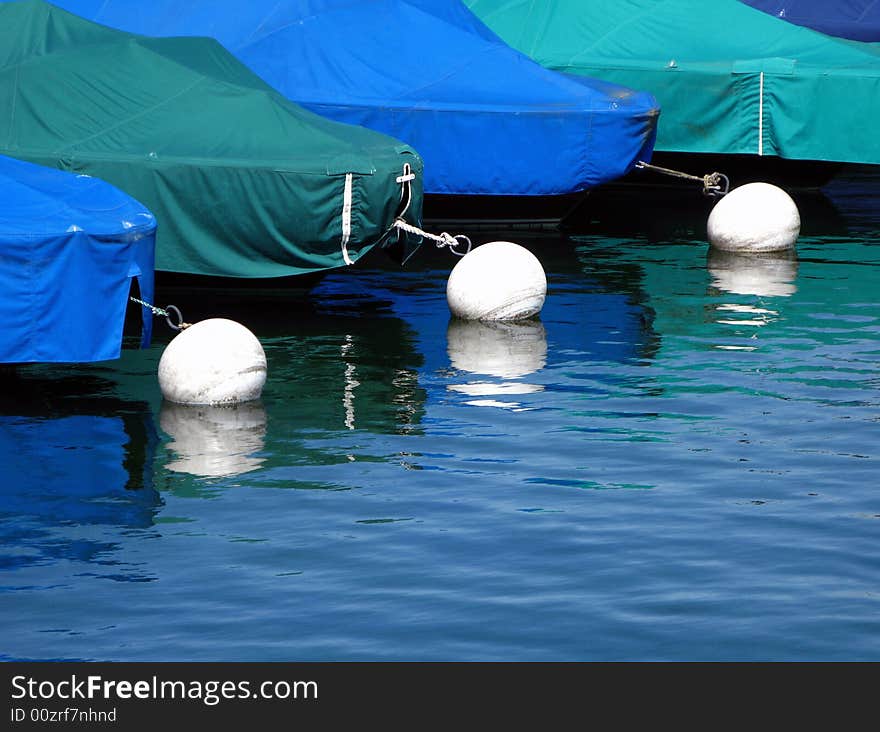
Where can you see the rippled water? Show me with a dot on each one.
(678, 460)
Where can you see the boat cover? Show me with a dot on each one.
(855, 19)
(729, 78)
(69, 247)
(485, 118)
(243, 182)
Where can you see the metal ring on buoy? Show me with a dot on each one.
(460, 239)
(716, 185)
(180, 325)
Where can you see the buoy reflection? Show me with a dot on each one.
(764, 275)
(772, 274)
(213, 442)
(505, 352)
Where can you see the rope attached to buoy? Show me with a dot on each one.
(440, 241)
(715, 185)
(444, 239)
(167, 312)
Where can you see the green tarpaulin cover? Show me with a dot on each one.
(728, 78)
(243, 182)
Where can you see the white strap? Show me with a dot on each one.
(346, 217)
(761, 114)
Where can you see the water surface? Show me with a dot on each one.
(677, 461)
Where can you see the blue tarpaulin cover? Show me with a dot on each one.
(69, 246)
(485, 118)
(855, 19)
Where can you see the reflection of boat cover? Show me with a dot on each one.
(730, 79)
(65, 475)
(855, 19)
(486, 119)
(69, 248)
(242, 182)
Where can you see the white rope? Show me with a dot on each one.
(405, 181)
(441, 240)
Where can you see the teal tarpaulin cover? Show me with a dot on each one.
(242, 182)
(69, 248)
(730, 79)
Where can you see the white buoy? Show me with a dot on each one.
(497, 281)
(756, 217)
(215, 361)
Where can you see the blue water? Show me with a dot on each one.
(677, 461)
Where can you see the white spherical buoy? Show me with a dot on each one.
(756, 217)
(215, 361)
(497, 281)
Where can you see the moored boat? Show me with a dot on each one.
(70, 246)
(487, 120)
(243, 182)
(731, 80)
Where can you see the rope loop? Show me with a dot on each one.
(167, 311)
(179, 325)
(442, 240)
(715, 185)
(455, 241)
